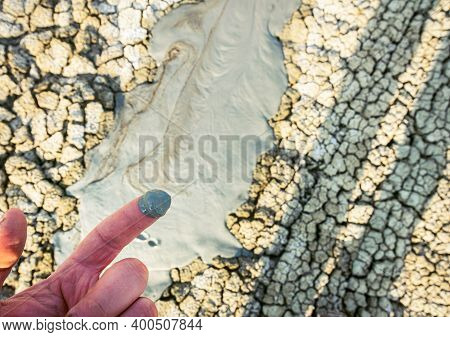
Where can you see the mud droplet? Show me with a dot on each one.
(154, 242)
(142, 237)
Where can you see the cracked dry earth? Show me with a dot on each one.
(348, 215)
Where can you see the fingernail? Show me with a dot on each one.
(154, 203)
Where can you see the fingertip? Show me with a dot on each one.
(136, 273)
(115, 291)
(13, 234)
(15, 224)
(15, 214)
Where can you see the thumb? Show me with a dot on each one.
(13, 234)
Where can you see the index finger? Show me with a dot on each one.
(102, 245)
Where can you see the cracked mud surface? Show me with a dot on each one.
(347, 215)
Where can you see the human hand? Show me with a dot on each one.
(76, 287)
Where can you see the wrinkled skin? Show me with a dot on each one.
(76, 288)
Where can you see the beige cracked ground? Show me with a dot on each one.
(347, 215)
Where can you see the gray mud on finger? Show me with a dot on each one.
(222, 77)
